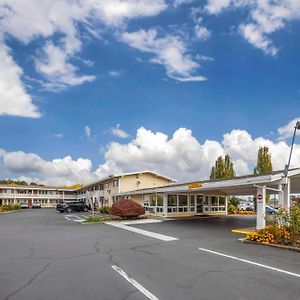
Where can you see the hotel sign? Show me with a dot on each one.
(194, 185)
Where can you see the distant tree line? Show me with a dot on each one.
(19, 182)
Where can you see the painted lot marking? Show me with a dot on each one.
(135, 283)
(75, 218)
(250, 262)
(123, 225)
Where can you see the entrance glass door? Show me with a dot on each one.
(199, 204)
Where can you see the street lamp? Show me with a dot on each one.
(287, 166)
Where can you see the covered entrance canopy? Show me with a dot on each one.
(256, 185)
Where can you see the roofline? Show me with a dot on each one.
(32, 187)
(126, 174)
(221, 183)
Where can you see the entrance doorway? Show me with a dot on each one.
(199, 204)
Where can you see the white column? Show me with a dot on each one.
(280, 196)
(286, 194)
(226, 205)
(165, 207)
(261, 207)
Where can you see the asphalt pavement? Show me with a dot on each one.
(44, 255)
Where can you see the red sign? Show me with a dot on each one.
(259, 197)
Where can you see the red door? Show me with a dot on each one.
(30, 202)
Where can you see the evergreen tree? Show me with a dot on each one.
(223, 168)
(264, 161)
(228, 167)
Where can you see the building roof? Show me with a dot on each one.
(126, 174)
(35, 187)
(241, 185)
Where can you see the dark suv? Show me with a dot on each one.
(71, 206)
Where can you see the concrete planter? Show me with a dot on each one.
(244, 240)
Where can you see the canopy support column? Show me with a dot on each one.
(286, 194)
(261, 207)
(165, 205)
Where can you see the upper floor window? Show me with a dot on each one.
(106, 185)
(116, 183)
(101, 187)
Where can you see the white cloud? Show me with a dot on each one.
(180, 156)
(266, 17)
(27, 21)
(287, 130)
(177, 3)
(169, 51)
(53, 64)
(202, 33)
(58, 135)
(114, 73)
(118, 132)
(88, 133)
(14, 99)
(61, 171)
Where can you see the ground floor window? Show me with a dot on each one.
(181, 203)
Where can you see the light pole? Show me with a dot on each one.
(287, 166)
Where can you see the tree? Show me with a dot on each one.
(228, 167)
(264, 161)
(223, 168)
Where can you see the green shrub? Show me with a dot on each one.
(232, 209)
(105, 210)
(92, 219)
(16, 207)
(6, 207)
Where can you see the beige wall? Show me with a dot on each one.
(141, 181)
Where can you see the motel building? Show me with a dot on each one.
(162, 197)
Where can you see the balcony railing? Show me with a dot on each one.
(34, 196)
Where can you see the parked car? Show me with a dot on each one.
(271, 210)
(71, 206)
(24, 205)
(36, 205)
(247, 207)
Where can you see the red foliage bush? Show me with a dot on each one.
(126, 208)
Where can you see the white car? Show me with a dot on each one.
(36, 205)
(24, 205)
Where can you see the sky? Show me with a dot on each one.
(93, 88)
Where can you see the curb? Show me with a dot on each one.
(241, 231)
(291, 248)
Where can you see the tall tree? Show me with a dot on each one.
(223, 168)
(228, 167)
(264, 161)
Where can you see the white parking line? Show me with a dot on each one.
(154, 235)
(74, 218)
(250, 262)
(135, 283)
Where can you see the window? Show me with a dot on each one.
(116, 183)
(160, 200)
(221, 201)
(106, 185)
(101, 187)
(182, 199)
(172, 200)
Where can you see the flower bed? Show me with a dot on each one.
(283, 230)
(246, 212)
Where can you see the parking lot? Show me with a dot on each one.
(47, 255)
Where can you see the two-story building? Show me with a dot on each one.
(45, 195)
(105, 191)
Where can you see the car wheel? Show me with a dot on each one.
(69, 210)
(85, 209)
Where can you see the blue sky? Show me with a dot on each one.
(104, 87)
